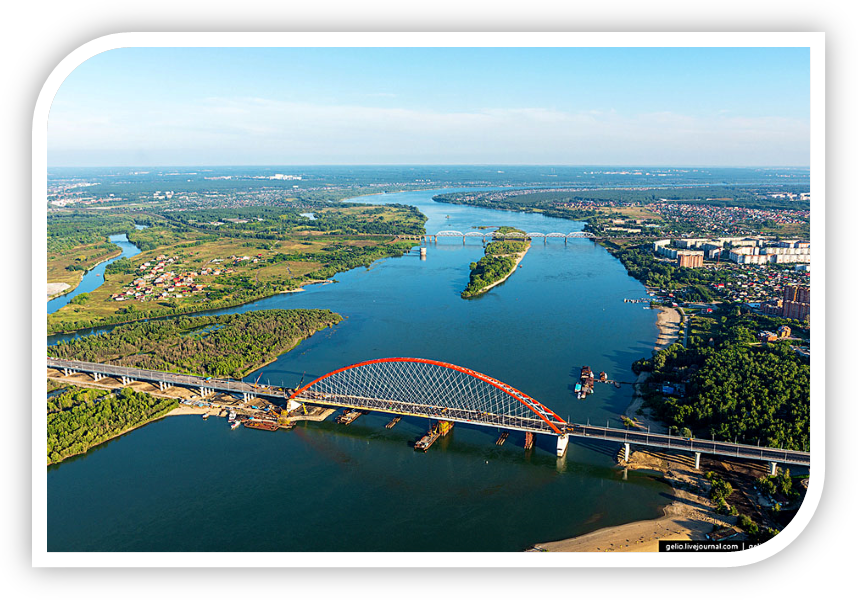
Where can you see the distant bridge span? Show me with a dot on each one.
(511, 235)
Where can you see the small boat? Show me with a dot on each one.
(235, 424)
(205, 415)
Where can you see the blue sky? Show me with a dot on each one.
(232, 106)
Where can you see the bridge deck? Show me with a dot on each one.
(473, 417)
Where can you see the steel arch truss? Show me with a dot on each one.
(433, 389)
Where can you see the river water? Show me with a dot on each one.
(187, 484)
(94, 278)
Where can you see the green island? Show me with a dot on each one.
(500, 261)
(79, 419)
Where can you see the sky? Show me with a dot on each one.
(320, 106)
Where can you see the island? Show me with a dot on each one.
(500, 261)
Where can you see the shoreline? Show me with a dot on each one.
(482, 291)
(69, 290)
(688, 517)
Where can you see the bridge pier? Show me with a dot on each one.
(126, 380)
(247, 397)
(773, 468)
(562, 444)
(97, 376)
(164, 386)
(697, 460)
(626, 450)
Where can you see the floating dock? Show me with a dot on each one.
(502, 438)
(393, 422)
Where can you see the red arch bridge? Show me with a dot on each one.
(446, 392)
(442, 391)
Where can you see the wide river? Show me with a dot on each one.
(185, 484)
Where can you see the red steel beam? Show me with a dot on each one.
(529, 402)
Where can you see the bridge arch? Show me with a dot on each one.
(433, 389)
(450, 233)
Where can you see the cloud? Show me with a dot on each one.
(270, 131)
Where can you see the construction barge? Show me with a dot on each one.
(439, 430)
(348, 416)
(265, 425)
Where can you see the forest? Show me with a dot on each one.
(735, 389)
(79, 419)
(215, 346)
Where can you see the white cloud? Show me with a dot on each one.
(260, 130)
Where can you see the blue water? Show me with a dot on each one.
(323, 486)
(94, 278)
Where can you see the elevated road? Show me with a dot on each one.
(697, 446)
(165, 380)
(469, 397)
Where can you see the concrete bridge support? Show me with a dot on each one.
(626, 453)
(773, 468)
(164, 386)
(126, 380)
(247, 397)
(68, 372)
(562, 444)
(697, 460)
(97, 376)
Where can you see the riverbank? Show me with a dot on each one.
(61, 288)
(669, 323)
(690, 516)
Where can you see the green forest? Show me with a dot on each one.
(79, 419)
(216, 346)
(735, 389)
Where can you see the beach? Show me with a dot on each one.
(689, 516)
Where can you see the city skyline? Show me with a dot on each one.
(328, 106)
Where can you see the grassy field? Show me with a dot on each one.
(249, 267)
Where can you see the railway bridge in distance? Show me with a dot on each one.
(513, 235)
(440, 391)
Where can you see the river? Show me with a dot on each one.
(94, 278)
(183, 483)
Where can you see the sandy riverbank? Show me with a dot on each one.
(56, 289)
(669, 323)
(689, 516)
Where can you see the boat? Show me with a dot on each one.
(235, 424)
(205, 415)
(603, 376)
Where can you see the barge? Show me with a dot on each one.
(262, 424)
(348, 417)
(439, 430)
